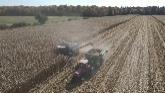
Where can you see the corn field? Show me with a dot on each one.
(134, 62)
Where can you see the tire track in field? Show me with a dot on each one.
(157, 75)
(133, 77)
(143, 73)
(115, 75)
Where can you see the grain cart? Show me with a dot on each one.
(67, 49)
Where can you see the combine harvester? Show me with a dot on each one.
(87, 65)
(90, 61)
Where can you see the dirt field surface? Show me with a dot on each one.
(134, 64)
(160, 17)
(28, 56)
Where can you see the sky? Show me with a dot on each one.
(118, 3)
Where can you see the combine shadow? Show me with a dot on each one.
(76, 82)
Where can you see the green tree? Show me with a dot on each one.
(41, 18)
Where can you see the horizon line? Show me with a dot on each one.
(77, 5)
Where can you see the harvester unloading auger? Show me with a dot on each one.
(90, 61)
(72, 49)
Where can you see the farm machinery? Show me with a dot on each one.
(72, 49)
(67, 49)
(90, 61)
(87, 65)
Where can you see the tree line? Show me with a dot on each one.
(87, 11)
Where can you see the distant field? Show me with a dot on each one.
(55, 19)
(30, 19)
(15, 19)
